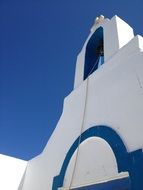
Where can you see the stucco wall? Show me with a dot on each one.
(114, 99)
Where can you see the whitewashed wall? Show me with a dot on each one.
(11, 172)
(115, 99)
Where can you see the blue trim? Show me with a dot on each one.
(101, 61)
(91, 54)
(131, 162)
(118, 184)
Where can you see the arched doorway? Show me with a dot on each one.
(96, 162)
(131, 162)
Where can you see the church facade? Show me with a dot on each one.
(98, 141)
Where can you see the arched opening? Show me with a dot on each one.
(106, 133)
(131, 162)
(94, 55)
(92, 165)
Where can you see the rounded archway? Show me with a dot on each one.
(94, 54)
(92, 164)
(104, 132)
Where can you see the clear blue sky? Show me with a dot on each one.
(39, 42)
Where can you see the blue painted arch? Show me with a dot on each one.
(131, 162)
(92, 56)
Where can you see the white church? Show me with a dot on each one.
(98, 141)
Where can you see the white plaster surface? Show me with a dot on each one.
(11, 172)
(94, 158)
(114, 99)
(118, 176)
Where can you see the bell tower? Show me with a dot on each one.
(98, 141)
(105, 39)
